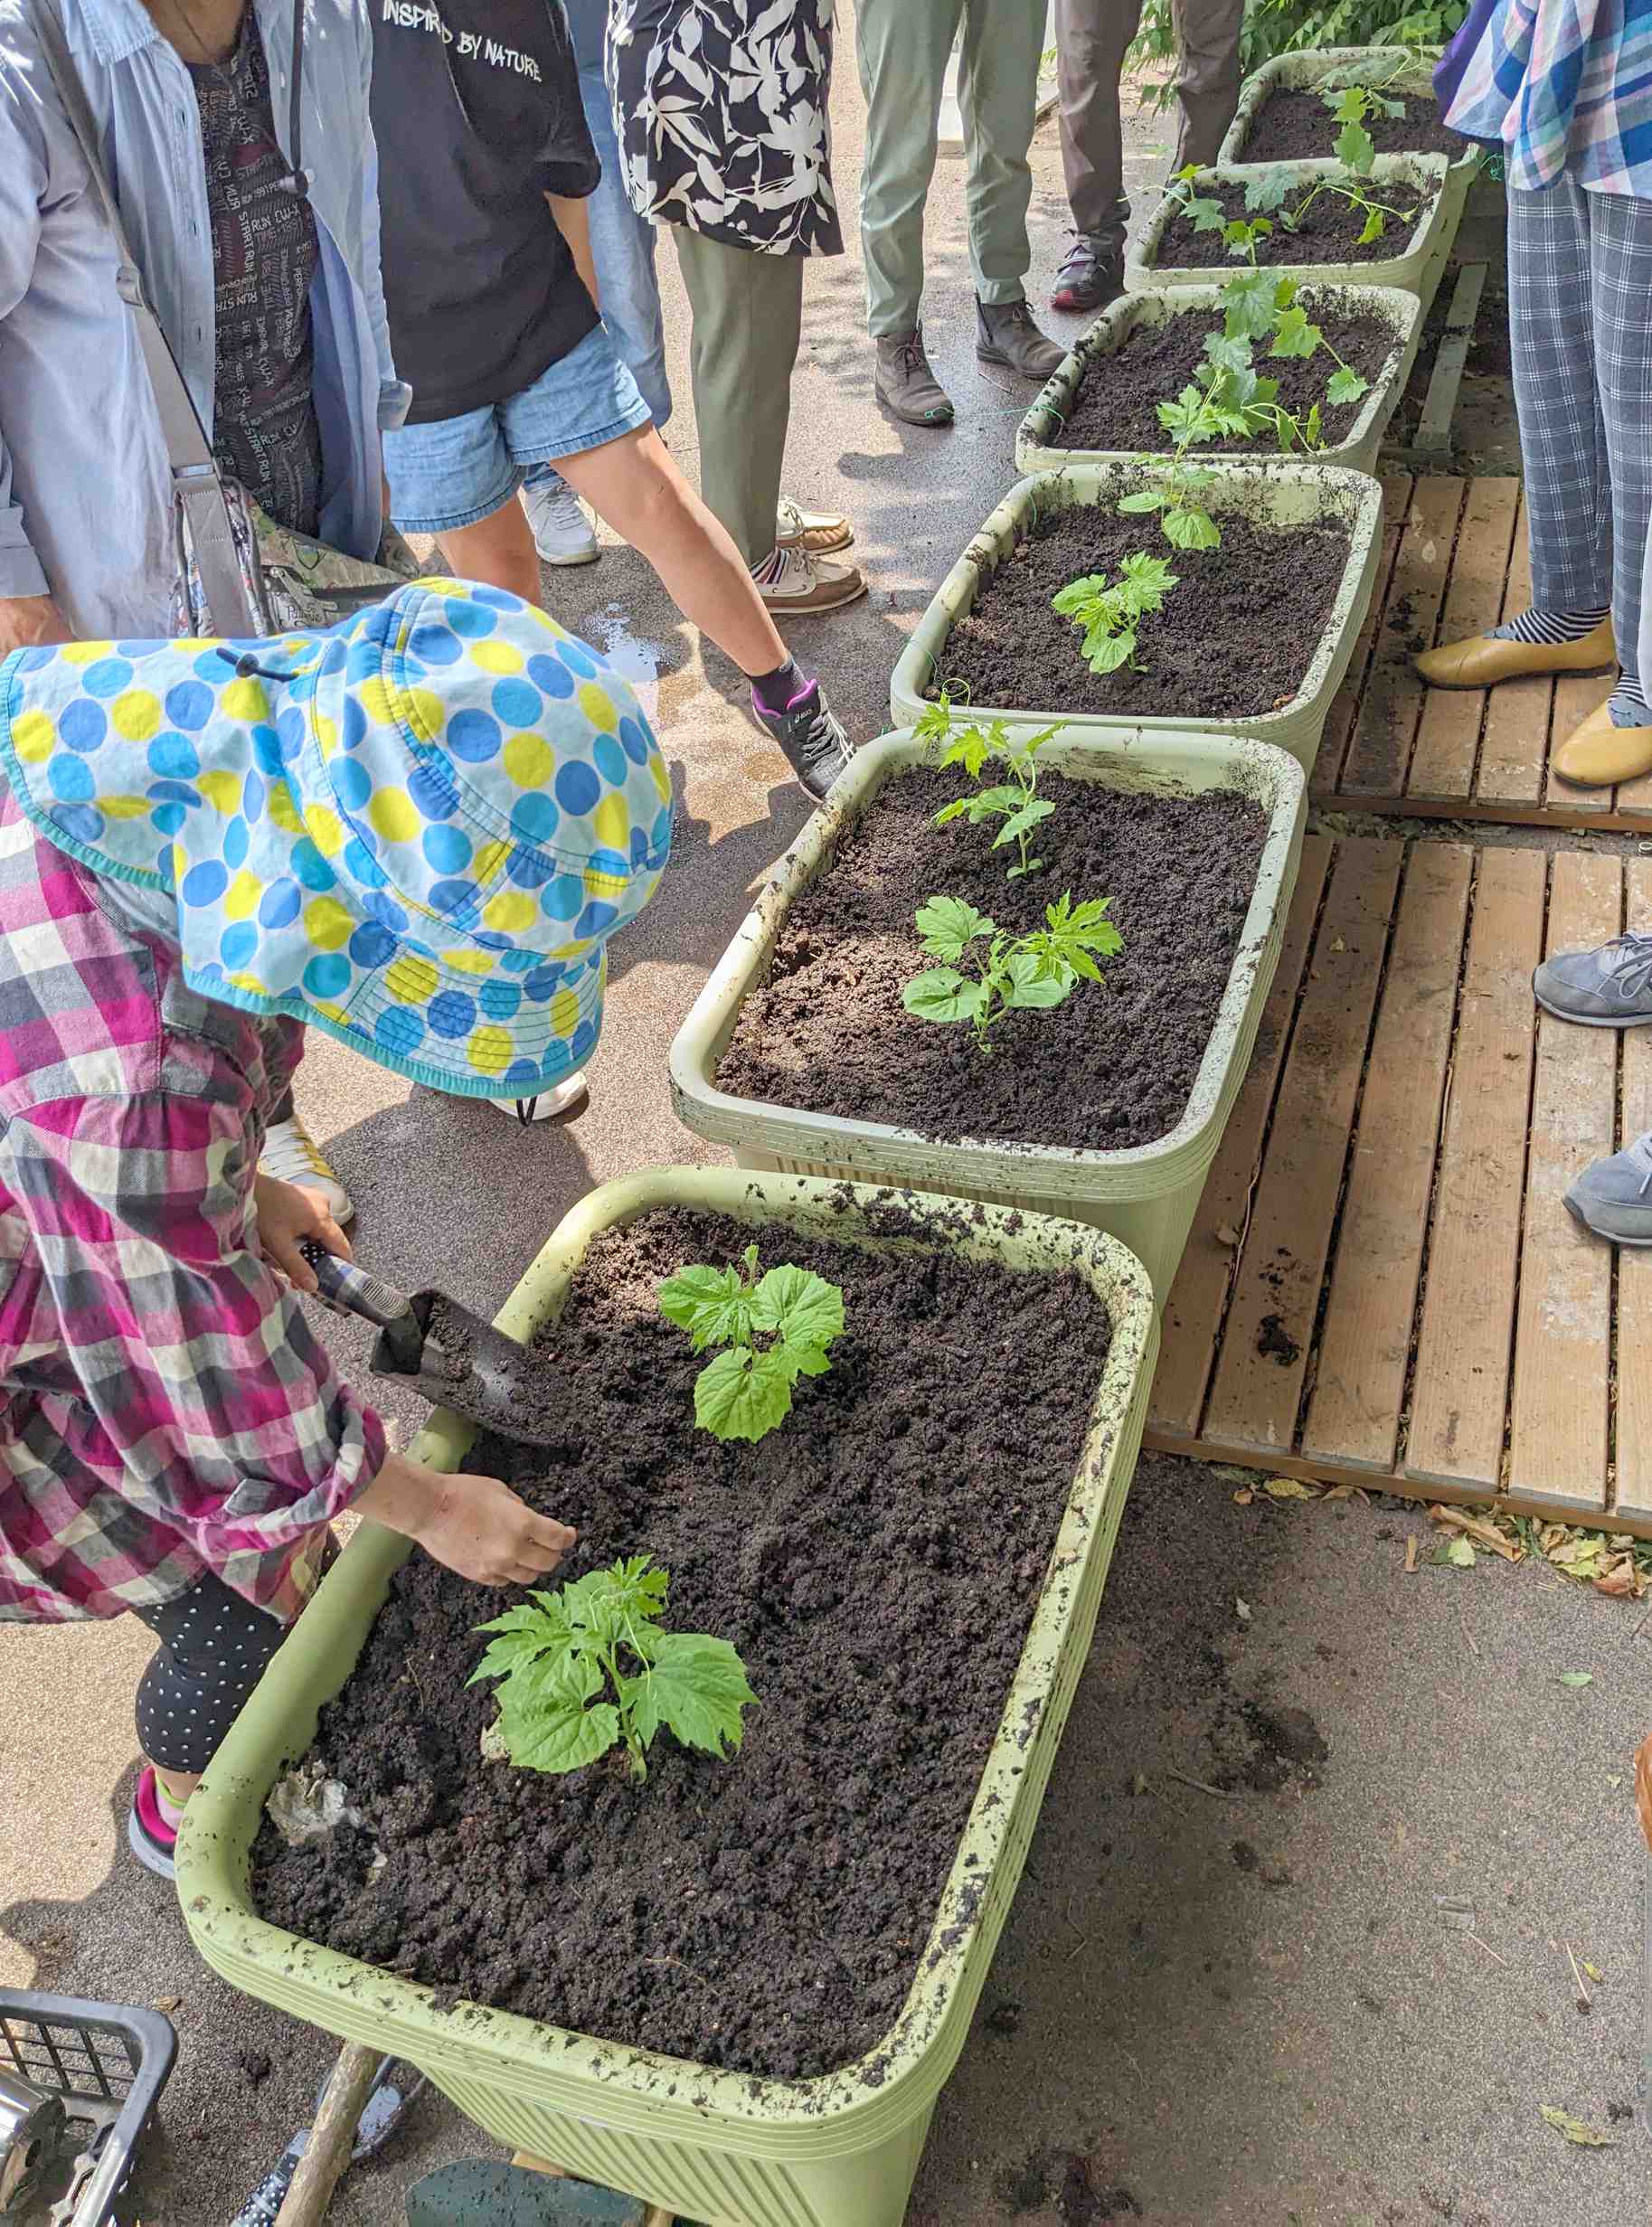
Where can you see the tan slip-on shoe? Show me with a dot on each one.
(1598, 755)
(1478, 662)
(804, 586)
(816, 532)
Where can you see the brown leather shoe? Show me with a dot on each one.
(804, 586)
(1005, 333)
(1478, 662)
(816, 532)
(1598, 755)
(905, 383)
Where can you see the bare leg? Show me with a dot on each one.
(499, 550)
(634, 487)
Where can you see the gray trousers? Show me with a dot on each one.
(903, 46)
(1580, 314)
(1091, 37)
(747, 310)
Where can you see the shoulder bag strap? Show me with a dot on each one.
(194, 472)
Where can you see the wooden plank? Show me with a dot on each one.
(1434, 426)
(1342, 718)
(1562, 1325)
(1380, 751)
(1448, 732)
(1275, 1293)
(1633, 1452)
(1364, 1347)
(1461, 1380)
(1193, 1317)
(1515, 750)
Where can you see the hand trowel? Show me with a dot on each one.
(448, 1356)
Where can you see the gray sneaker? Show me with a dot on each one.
(1611, 1198)
(1609, 987)
(1089, 277)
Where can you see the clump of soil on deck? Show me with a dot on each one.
(876, 1560)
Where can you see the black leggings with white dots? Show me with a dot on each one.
(214, 1646)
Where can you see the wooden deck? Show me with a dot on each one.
(1382, 1286)
(1454, 563)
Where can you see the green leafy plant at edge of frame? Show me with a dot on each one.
(588, 1666)
(1273, 27)
(1183, 518)
(1108, 617)
(1016, 801)
(776, 1326)
(1038, 968)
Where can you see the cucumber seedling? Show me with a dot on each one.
(1039, 968)
(774, 1326)
(1108, 617)
(588, 1668)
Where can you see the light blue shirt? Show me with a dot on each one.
(86, 511)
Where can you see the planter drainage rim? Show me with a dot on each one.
(1394, 304)
(617, 2092)
(1172, 762)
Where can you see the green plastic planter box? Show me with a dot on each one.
(1146, 1194)
(717, 2147)
(1391, 67)
(1041, 443)
(1285, 491)
(1418, 260)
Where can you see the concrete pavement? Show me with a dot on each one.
(1206, 2012)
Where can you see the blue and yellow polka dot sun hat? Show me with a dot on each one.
(416, 830)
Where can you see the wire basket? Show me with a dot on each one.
(106, 2065)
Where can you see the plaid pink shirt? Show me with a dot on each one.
(164, 1407)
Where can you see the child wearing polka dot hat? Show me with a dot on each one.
(417, 831)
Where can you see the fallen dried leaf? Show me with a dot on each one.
(1410, 1554)
(1241, 1609)
(1577, 2130)
(168, 2003)
(1226, 1234)
(1243, 1496)
(1337, 944)
(1577, 1677)
(1594, 1971)
(1288, 1489)
(1477, 1527)
(1457, 1552)
(1619, 1581)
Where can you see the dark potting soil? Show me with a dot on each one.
(1296, 127)
(876, 1560)
(1329, 231)
(1235, 637)
(1116, 402)
(1111, 1067)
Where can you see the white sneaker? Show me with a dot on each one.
(560, 1099)
(292, 1154)
(562, 533)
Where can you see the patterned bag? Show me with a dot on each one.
(239, 573)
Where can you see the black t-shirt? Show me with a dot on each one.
(475, 108)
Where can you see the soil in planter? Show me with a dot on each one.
(1296, 126)
(1235, 639)
(876, 1560)
(1329, 231)
(1111, 1067)
(1116, 402)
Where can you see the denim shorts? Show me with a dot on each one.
(457, 471)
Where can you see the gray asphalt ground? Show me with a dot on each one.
(1207, 2011)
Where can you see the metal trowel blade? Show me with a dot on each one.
(467, 1366)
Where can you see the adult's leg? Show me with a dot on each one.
(1091, 37)
(748, 318)
(997, 90)
(634, 487)
(1208, 77)
(1620, 264)
(902, 47)
(1562, 433)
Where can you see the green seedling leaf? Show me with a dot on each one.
(1204, 215)
(1354, 147)
(1294, 335)
(591, 1667)
(711, 1304)
(1266, 192)
(696, 1687)
(1227, 351)
(1141, 499)
(969, 752)
(1038, 970)
(1576, 2130)
(1313, 432)
(799, 1308)
(1372, 228)
(746, 1390)
(1191, 529)
(948, 927)
(743, 1395)
(942, 993)
(1577, 1677)
(1022, 821)
(1248, 303)
(1346, 386)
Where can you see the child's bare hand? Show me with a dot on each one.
(288, 1215)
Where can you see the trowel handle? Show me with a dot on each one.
(344, 1285)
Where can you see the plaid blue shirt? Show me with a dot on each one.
(1566, 86)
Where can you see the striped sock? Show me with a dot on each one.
(1550, 628)
(1627, 704)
